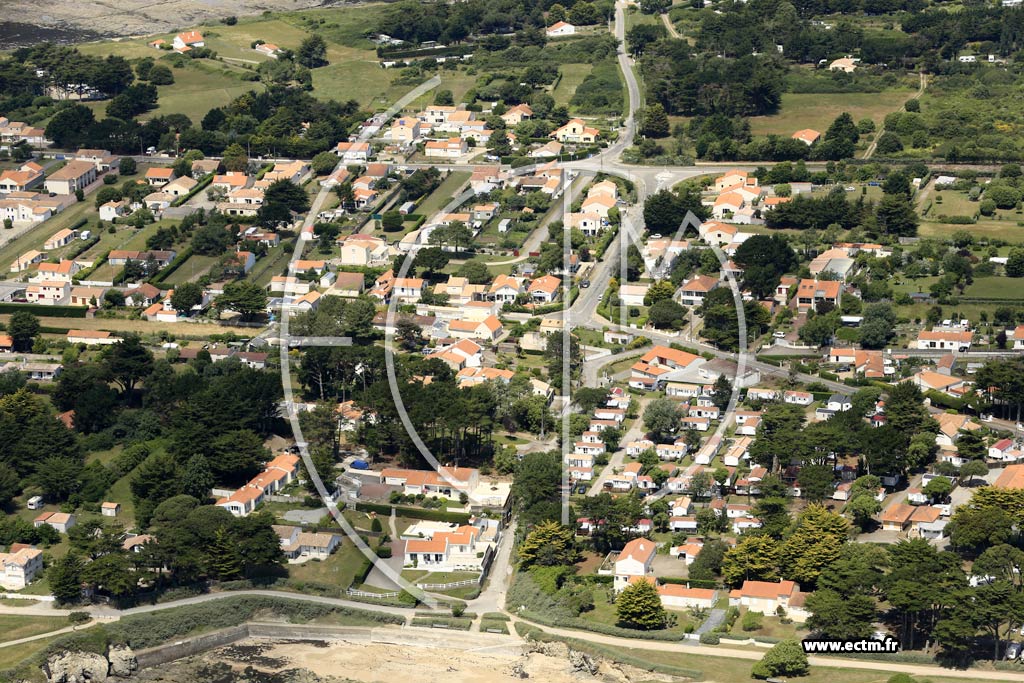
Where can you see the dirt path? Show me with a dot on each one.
(670, 26)
(920, 91)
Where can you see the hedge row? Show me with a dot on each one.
(86, 272)
(200, 186)
(44, 310)
(176, 263)
(448, 622)
(415, 513)
(606, 629)
(940, 399)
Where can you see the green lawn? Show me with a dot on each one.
(196, 90)
(604, 613)
(337, 570)
(804, 110)
(37, 235)
(195, 266)
(13, 656)
(272, 264)
(572, 76)
(771, 627)
(15, 626)
(996, 288)
(984, 229)
(444, 193)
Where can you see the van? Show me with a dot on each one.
(34, 503)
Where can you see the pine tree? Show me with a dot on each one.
(548, 544)
(197, 478)
(655, 121)
(224, 560)
(65, 577)
(639, 607)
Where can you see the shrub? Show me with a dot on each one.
(77, 618)
(458, 609)
(710, 639)
(752, 621)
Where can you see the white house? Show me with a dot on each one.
(559, 29)
(634, 560)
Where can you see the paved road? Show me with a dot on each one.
(618, 457)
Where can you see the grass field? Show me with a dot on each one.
(15, 626)
(13, 656)
(983, 229)
(727, 669)
(803, 110)
(196, 330)
(572, 76)
(337, 570)
(194, 267)
(444, 193)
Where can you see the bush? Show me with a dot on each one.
(77, 618)
(752, 621)
(710, 639)
(458, 609)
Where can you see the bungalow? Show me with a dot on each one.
(203, 167)
(73, 176)
(951, 426)
(762, 394)
(1017, 337)
(268, 49)
(808, 136)
(576, 131)
(91, 337)
(277, 473)
(676, 596)
(727, 204)
(769, 597)
(1011, 478)
(844, 64)
(633, 295)
(800, 398)
(559, 29)
(505, 288)
(928, 380)
(945, 339)
(179, 187)
(110, 509)
(61, 521)
(546, 151)
(634, 560)
(158, 176)
(188, 39)
(896, 517)
(517, 114)
(659, 365)
(1004, 450)
(451, 148)
(111, 211)
(232, 180)
(86, 296)
(489, 329)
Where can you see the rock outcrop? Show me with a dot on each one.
(82, 667)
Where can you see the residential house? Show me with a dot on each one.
(634, 560)
(48, 292)
(945, 339)
(810, 292)
(808, 136)
(844, 64)
(109, 509)
(73, 176)
(179, 187)
(28, 176)
(20, 566)
(544, 289)
(277, 474)
(188, 39)
(800, 398)
(516, 114)
(576, 131)
(769, 597)
(61, 521)
(450, 148)
(560, 29)
(695, 290)
(111, 211)
(660, 364)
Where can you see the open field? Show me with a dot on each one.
(181, 329)
(983, 229)
(15, 626)
(805, 110)
(12, 656)
(196, 91)
(194, 267)
(337, 570)
(443, 194)
(572, 76)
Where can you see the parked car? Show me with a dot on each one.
(1012, 651)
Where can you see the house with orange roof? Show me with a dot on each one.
(158, 176)
(811, 291)
(61, 521)
(599, 203)
(576, 131)
(634, 560)
(489, 329)
(1011, 478)
(947, 384)
(945, 339)
(516, 114)
(896, 517)
(408, 288)
(231, 180)
(276, 474)
(449, 148)
(470, 376)
(28, 176)
(694, 291)
(268, 49)
(808, 136)
(659, 365)
(545, 289)
(73, 176)
(188, 39)
(446, 547)
(560, 29)
(731, 178)
(768, 597)
(353, 152)
(727, 204)
(717, 233)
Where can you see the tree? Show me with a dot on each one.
(127, 167)
(815, 543)
(764, 258)
(128, 362)
(10, 484)
(662, 418)
(549, 544)
(1015, 263)
(786, 658)
(896, 216)
(721, 393)
(186, 296)
(65, 579)
(639, 607)
(499, 144)
(889, 143)
(245, 298)
(878, 327)
(583, 14)
(280, 200)
(863, 507)
(754, 558)
(23, 327)
(408, 333)
(391, 221)
(235, 158)
(972, 469)
(161, 75)
(475, 271)
(197, 478)
(312, 52)
(431, 260)
(971, 446)
(667, 314)
(655, 121)
(938, 488)
(835, 616)
(324, 162)
(659, 291)
(972, 529)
